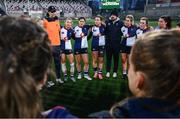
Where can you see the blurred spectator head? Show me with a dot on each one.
(24, 60)
(155, 66)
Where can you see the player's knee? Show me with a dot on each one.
(78, 63)
(71, 60)
(124, 58)
(94, 61)
(101, 61)
(101, 53)
(86, 63)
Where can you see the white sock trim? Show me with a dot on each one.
(72, 68)
(63, 66)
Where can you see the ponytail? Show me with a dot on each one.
(24, 59)
(19, 96)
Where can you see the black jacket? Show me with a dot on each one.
(142, 108)
(113, 32)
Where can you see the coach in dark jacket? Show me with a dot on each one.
(113, 39)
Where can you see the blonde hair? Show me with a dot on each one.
(70, 19)
(131, 17)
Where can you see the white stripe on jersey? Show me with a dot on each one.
(63, 33)
(78, 32)
(124, 30)
(68, 45)
(84, 42)
(95, 31)
(102, 40)
(130, 41)
(139, 32)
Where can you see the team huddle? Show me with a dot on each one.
(111, 37)
(153, 64)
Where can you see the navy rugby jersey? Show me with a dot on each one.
(139, 32)
(66, 34)
(129, 35)
(98, 34)
(81, 42)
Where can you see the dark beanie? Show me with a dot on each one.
(114, 12)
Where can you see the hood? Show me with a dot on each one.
(147, 107)
(115, 20)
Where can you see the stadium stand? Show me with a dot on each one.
(68, 8)
(171, 9)
(2, 6)
(156, 8)
(79, 8)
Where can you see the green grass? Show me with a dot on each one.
(85, 97)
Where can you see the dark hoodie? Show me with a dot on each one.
(142, 108)
(58, 112)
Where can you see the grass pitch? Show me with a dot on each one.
(84, 97)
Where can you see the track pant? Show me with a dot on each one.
(112, 52)
(57, 60)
